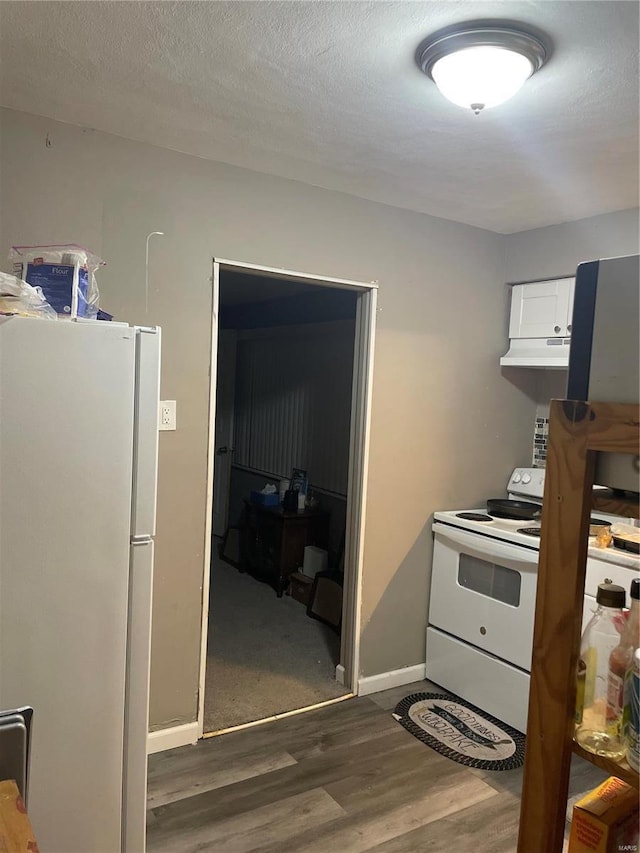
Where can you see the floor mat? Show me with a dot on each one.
(460, 731)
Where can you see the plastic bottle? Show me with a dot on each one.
(620, 664)
(600, 637)
(632, 729)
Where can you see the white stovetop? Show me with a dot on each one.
(507, 529)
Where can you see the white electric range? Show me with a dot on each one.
(483, 595)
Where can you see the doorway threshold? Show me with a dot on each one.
(279, 716)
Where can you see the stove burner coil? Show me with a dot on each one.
(530, 531)
(474, 516)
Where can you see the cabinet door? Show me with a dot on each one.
(570, 284)
(541, 309)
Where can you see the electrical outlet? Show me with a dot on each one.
(167, 415)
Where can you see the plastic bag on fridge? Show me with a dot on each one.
(18, 297)
(66, 274)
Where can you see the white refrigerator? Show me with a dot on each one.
(78, 467)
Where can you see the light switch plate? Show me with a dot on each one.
(167, 415)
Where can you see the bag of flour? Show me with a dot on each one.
(66, 275)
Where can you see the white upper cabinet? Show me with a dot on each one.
(542, 309)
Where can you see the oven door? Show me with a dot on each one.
(483, 591)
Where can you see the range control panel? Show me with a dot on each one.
(528, 482)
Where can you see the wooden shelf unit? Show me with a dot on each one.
(578, 431)
(606, 501)
(614, 768)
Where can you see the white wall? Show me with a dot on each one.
(447, 426)
(557, 250)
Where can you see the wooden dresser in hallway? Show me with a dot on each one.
(342, 779)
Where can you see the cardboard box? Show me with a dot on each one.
(606, 819)
(300, 587)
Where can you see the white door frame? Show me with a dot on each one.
(349, 667)
(223, 458)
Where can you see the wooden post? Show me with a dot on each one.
(559, 602)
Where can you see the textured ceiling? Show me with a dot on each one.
(328, 93)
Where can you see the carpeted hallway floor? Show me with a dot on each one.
(265, 655)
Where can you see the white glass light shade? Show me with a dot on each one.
(482, 76)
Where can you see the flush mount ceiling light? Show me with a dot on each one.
(478, 66)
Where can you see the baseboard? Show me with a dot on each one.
(340, 674)
(386, 680)
(172, 737)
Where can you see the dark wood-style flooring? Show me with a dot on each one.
(341, 779)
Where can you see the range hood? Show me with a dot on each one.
(551, 353)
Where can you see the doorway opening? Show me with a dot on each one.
(291, 368)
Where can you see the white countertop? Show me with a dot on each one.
(613, 555)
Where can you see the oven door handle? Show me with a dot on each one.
(485, 546)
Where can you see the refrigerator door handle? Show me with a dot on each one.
(145, 435)
(136, 717)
